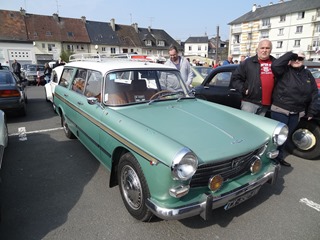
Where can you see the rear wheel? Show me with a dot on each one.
(133, 187)
(66, 129)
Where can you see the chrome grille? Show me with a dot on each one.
(228, 169)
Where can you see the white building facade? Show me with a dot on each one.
(291, 25)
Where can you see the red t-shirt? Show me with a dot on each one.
(267, 81)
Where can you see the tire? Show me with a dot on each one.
(66, 129)
(305, 140)
(23, 111)
(133, 188)
(45, 94)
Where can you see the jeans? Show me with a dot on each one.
(254, 108)
(291, 120)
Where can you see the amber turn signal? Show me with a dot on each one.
(215, 182)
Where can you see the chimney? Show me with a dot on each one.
(56, 17)
(254, 7)
(22, 11)
(112, 24)
(135, 26)
(84, 19)
(149, 29)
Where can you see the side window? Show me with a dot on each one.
(93, 87)
(221, 79)
(79, 81)
(54, 77)
(66, 77)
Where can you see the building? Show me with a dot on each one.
(32, 38)
(289, 25)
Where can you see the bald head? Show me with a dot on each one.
(264, 49)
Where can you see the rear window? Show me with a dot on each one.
(6, 78)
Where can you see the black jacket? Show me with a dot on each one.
(247, 76)
(295, 88)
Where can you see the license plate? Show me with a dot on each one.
(241, 198)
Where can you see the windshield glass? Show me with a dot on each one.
(6, 78)
(132, 86)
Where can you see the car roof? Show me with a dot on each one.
(117, 64)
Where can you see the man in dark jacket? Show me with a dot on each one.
(16, 68)
(254, 79)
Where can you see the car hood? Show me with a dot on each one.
(209, 130)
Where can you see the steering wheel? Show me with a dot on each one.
(159, 93)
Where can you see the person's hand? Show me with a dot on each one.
(309, 118)
(294, 57)
(247, 91)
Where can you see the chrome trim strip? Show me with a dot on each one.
(125, 142)
(204, 208)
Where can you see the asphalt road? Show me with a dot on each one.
(53, 188)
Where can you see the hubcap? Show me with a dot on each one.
(304, 139)
(131, 187)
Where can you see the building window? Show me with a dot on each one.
(279, 44)
(280, 32)
(296, 43)
(299, 29)
(80, 47)
(264, 34)
(43, 45)
(148, 43)
(282, 18)
(113, 50)
(317, 28)
(103, 49)
(266, 22)
(48, 33)
(70, 34)
(50, 47)
(161, 43)
(300, 15)
(236, 38)
(70, 47)
(35, 34)
(199, 47)
(190, 48)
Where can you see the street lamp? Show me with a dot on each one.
(96, 47)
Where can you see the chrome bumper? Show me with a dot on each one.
(205, 208)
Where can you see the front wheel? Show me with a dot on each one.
(133, 187)
(305, 140)
(66, 129)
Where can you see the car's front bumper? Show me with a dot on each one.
(205, 207)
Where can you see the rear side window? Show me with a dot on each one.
(79, 81)
(93, 86)
(66, 77)
(221, 79)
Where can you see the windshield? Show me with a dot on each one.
(203, 71)
(132, 86)
(6, 78)
(33, 68)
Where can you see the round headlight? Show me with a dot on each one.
(280, 134)
(184, 165)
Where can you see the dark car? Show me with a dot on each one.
(305, 141)
(13, 97)
(216, 87)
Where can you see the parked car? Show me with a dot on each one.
(199, 74)
(3, 144)
(30, 73)
(13, 97)
(3, 135)
(50, 86)
(172, 155)
(216, 87)
(305, 141)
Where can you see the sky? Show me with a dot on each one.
(180, 19)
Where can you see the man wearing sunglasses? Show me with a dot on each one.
(294, 95)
